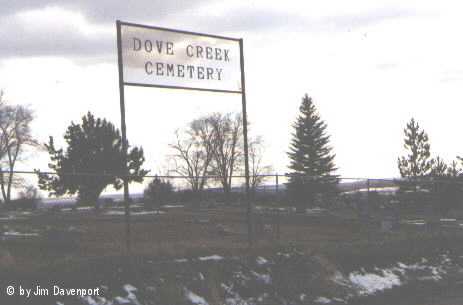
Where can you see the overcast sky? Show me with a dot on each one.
(369, 66)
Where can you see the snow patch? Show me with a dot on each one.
(194, 298)
(131, 298)
(18, 234)
(211, 258)
(173, 206)
(315, 210)
(147, 213)
(121, 213)
(115, 213)
(261, 261)
(91, 301)
(85, 208)
(129, 288)
(370, 283)
(322, 300)
(265, 278)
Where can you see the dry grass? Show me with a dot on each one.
(178, 233)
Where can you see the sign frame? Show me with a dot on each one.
(189, 33)
(122, 84)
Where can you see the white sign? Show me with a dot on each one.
(170, 58)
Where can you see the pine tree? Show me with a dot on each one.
(416, 167)
(94, 152)
(418, 162)
(439, 168)
(157, 193)
(446, 186)
(312, 161)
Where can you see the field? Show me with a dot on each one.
(173, 231)
(87, 248)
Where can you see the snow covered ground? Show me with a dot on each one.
(255, 282)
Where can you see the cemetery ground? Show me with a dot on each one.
(185, 256)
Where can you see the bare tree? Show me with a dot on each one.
(15, 138)
(193, 152)
(213, 145)
(228, 143)
(256, 166)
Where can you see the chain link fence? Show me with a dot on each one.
(166, 214)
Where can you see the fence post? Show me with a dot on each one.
(276, 184)
(368, 193)
(367, 211)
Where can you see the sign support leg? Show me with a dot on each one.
(245, 138)
(124, 137)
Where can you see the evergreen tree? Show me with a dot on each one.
(439, 168)
(312, 161)
(418, 163)
(417, 166)
(93, 160)
(454, 170)
(157, 193)
(446, 186)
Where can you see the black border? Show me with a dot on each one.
(180, 32)
(177, 31)
(180, 87)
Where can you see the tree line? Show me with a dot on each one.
(207, 151)
(425, 179)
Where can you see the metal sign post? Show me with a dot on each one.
(124, 135)
(148, 57)
(245, 138)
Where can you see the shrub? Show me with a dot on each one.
(157, 193)
(27, 199)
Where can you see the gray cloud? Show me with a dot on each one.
(66, 40)
(453, 75)
(52, 40)
(246, 19)
(352, 21)
(252, 20)
(387, 66)
(69, 41)
(106, 11)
